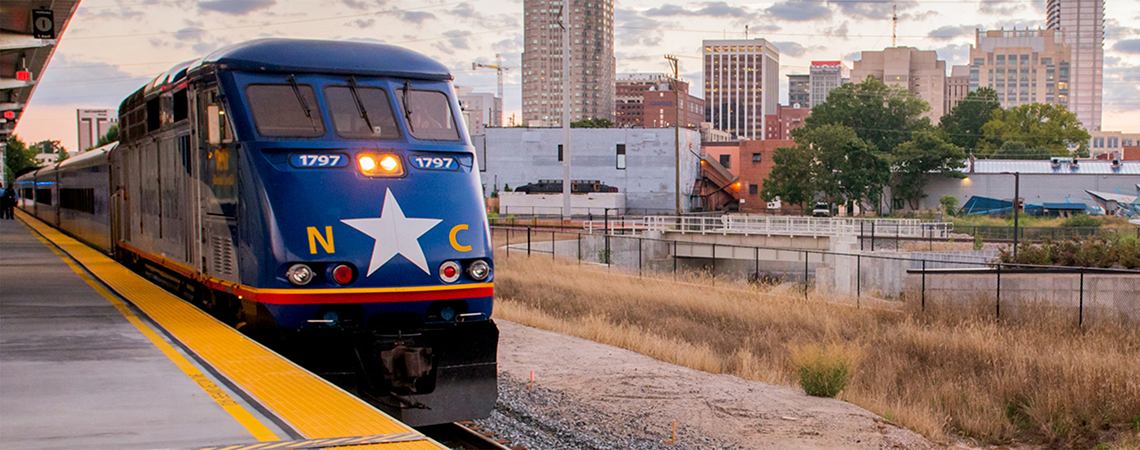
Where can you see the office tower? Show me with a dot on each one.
(825, 76)
(912, 69)
(799, 90)
(646, 100)
(1082, 22)
(741, 85)
(592, 64)
(957, 87)
(1023, 66)
(93, 124)
(480, 109)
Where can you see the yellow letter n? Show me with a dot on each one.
(315, 236)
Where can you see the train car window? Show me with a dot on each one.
(429, 116)
(372, 118)
(279, 110)
(181, 106)
(153, 114)
(82, 200)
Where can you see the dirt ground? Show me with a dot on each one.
(629, 393)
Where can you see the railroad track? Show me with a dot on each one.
(467, 436)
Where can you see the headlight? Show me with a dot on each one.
(299, 274)
(479, 270)
(380, 165)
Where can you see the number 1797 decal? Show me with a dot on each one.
(434, 162)
(309, 161)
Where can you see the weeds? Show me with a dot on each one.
(1031, 380)
(823, 371)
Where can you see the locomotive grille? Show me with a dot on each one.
(223, 256)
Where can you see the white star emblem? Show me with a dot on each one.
(394, 235)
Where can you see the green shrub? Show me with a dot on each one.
(978, 244)
(1082, 220)
(823, 371)
(949, 204)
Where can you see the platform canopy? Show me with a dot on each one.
(29, 32)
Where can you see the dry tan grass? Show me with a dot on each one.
(1039, 379)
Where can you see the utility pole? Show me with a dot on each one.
(676, 128)
(566, 191)
(894, 24)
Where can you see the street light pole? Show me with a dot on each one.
(1016, 208)
(676, 128)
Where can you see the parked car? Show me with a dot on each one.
(821, 210)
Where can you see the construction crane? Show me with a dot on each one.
(498, 66)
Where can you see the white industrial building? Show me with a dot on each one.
(1059, 180)
(639, 162)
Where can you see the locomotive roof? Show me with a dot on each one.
(309, 55)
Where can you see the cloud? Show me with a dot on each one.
(1000, 7)
(874, 9)
(707, 9)
(790, 48)
(363, 5)
(1121, 91)
(236, 7)
(950, 32)
(473, 16)
(110, 14)
(361, 23)
(954, 54)
(1128, 46)
(512, 45)
(418, 17)
(799, 11)
(839, 31)
(91, 83)
(458, 39)
(632, 28)
(855, 56)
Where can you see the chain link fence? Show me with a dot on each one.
(963, 281)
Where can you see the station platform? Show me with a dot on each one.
(94, 356)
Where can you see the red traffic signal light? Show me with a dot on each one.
(9, 115)
(23, 75)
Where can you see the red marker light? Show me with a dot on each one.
(342, 274)
(449, 272)
(23, 75)
(9, 114)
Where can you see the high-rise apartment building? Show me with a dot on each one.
(1023, 66)
(912, 69)
(742, 85)
(93, 124)
(646, 100)
(1082, 22)
(957, 87)
(592, 64)
(825, 76)
(799, 90)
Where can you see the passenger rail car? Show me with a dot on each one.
(311, 193)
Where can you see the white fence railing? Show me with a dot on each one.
(776, 225)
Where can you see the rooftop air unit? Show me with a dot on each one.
(1116, 164)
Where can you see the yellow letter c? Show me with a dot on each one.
(454, 243)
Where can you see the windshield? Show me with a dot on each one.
(429, 115)
(371, 118)
(285, 110)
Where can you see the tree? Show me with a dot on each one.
(592, 123)
(846, 168)
(883, 116)
(963, 124)
(17, 158)
(925, 155)
(111, 136)
(791, 177)
(51, 146)
(1044, 128)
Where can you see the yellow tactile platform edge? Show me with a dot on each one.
(312, 406)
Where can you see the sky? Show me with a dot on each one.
(112, 47)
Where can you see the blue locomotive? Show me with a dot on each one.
(312, 193)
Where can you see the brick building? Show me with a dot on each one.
(646, 100)
(779, 126)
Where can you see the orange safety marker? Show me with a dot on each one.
(673, 441)
(531, 385)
